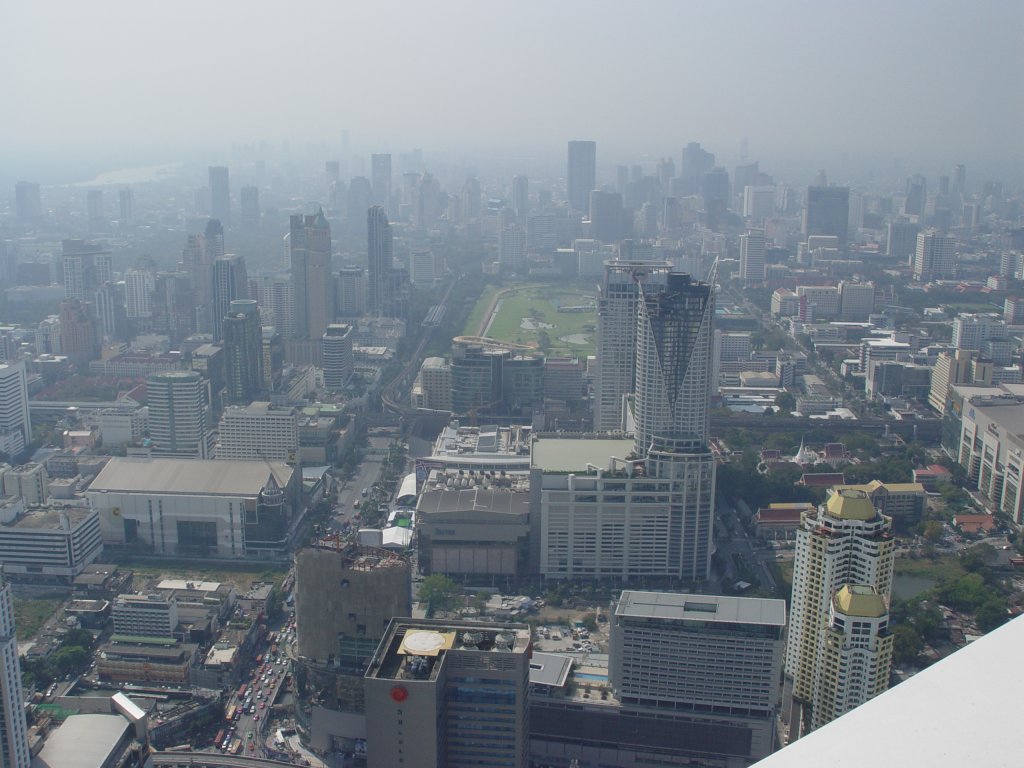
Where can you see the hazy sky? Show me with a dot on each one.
(901, 78)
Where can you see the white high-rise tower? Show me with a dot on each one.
(14, 751)
(15, 422)
(617, 301)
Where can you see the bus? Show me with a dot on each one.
(230, 715)
(241, 691)
(219, 738)
(236, 747)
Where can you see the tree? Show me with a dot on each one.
(933, 531)
(439, 591)
(786, 401)
(906, 645)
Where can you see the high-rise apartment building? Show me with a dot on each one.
(15, 421)
(351, 291)
(673, 361)
(230, 283)
(14, 751)
(80, 334)
(971, 330)
(856, 653)
(309, 245)
(449, 694)
(581, 174)
(845, 542)
(277, 300)
(257, 431)
(752, 247)
(84, 267)
(138, 292)
(828, 212)
(338, 361)
(901, 239)
(220, 194)
(243, 352)
(617, 301)
(178, 415)
(935, 257)
(380, 255)
(380, 176)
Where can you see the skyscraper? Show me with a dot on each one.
(752, 246)
(126, 205)
(617, 301)
(444, 694)
(14, 751)
(380, 256)
(111, 312)
(309, 243)
(243, 352)
(138, 291)
(178, 415)
(512, 248)
(520, 196)
(844, 542)
(220, 194)
(828, 212)
(80, 335)
(581, 174)
(15, 421)
(230, 282)
(380, 175)
(695, 163)
(606, 216)
(673, 361)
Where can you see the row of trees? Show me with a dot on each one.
(71, 657)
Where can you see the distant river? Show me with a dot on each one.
(139, 175)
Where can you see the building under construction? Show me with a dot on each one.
(345, 597)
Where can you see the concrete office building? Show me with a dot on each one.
(856, 300)
(449, 694)
(178, 405)
(972, 330)
(151, 615)
(845, 541)
(220, 194)
(475, 524)
(259, 431)
(828, 212)
(50, 544)
(14, 749)
(345, 597)
(956, 367)
(15, 420)
(581, 174)
(189, 507)
(30, 482)
(617, 302)
(990, 447)
(433, 386)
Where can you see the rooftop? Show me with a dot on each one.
(49, 518)
(914, 722)
(551, 669)
(82, 741)
(720, 608)
(456, 440)
(860, 600)
(850, 504)
(578, 454)
(188, 476)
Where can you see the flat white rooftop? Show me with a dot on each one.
(673, 606)
(574, 454)
(188, 476)
(959, 712)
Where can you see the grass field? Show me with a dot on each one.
(525, 312)
(31, 613)
(940, 568)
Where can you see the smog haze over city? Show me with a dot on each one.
(854, 88)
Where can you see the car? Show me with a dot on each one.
(256, 716)
(263, 705)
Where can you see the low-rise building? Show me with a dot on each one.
(165, 663)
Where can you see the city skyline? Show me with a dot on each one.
(872, 57)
